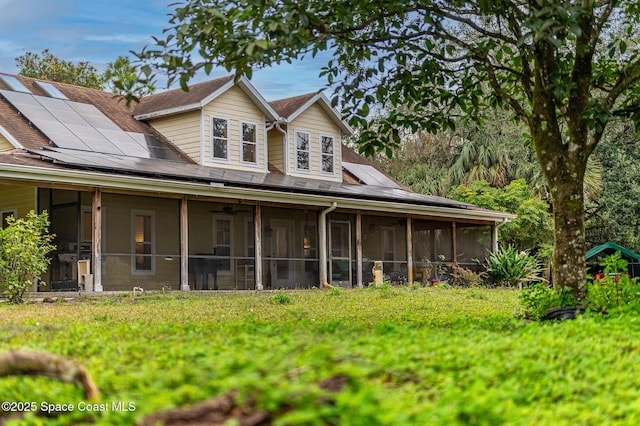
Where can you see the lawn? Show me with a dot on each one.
(390, 356)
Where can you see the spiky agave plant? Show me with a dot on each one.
(510, 267)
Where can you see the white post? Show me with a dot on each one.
(184, 244)
(257, 225)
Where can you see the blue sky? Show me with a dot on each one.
(98, 31)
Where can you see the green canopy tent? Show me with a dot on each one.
(597, 253)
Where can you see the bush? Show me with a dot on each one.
(511, 268)
(537, 299)
(25, 244)
(463, 277)
(613, 288)
(280, 298)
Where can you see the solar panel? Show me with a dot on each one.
(369, 175)
(50, 89)
(81, 126)
(14, 83)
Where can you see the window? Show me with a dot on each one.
(249, 139)
(388, 243)
(219, 138)
(143, 241)
(302, 150)
(326, 145)
(222, 242)
(5, 215)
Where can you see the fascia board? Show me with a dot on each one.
(166, 112)
(13, 141)
(156, 186)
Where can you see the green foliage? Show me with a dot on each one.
(122, 77)
(47, 66)
(281, 298)
(425, 357)
(509, 267)
(538, 298)
(24, 248)
(613, 289)
(532, 229)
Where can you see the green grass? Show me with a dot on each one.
(410, 356)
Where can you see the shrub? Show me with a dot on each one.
(511, 268)
(280, 298)
(25, 244)
(463, 277)
(538, 298)
(613, 288)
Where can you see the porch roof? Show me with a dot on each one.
(316, 191)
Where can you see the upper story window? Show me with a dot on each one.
(249, 142)
(302, 150)
(327, 154)
(219, 138)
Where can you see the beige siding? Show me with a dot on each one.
(236, 107)
(118, 254)
(276, 149)
(21, 199)
(5, 145)
(183, 130)
(316, 122)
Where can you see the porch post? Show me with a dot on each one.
(96, 240)
(409, 250)
(454, 243)
(359, 250)
(257, 225)
(494, 237)
(184, 244)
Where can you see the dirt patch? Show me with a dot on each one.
(223, 408)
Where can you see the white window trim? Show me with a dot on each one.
(295, 150)
(333, 155)
(214, 219)
(242, 141)
(211, 138)
(152, 214)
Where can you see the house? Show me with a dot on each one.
(215, 188)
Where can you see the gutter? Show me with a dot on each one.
(34, 174)
(322, 224)
(494, 240)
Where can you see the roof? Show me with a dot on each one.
(612, 247)
(291, 108)
(200, 94)
(87, 137)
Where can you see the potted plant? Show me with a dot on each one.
(437, 269)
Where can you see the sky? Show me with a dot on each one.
(98, 31)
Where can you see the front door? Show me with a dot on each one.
(282, 252)
(340, 253)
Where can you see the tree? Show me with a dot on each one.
(49, 67)
(122, 77)
(557, 65)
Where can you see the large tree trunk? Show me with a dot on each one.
(569, 265)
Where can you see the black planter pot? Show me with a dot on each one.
(563, 313)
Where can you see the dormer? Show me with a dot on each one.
(312, 142)
(219, 123)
